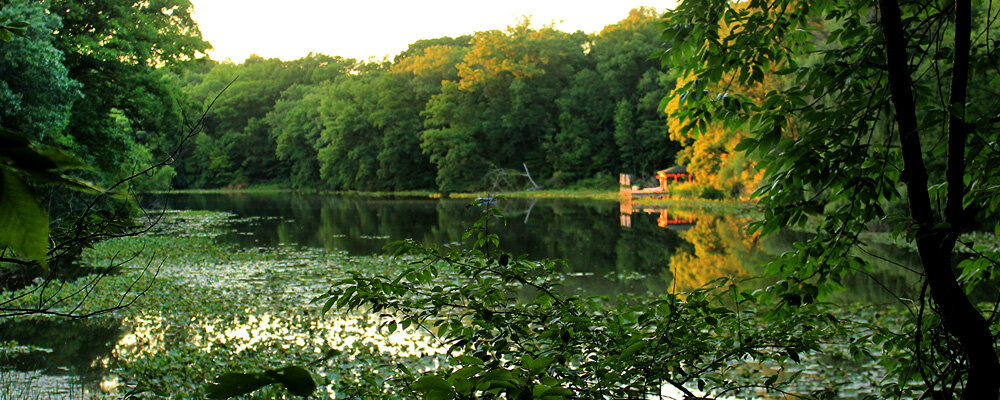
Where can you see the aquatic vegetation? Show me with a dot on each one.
(202, 308)
(207, 303)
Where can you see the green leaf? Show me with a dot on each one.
(433, 387)
(793, 355)
(497, 375)
(63, 160)
(11, 141)
(52, 178)
(746, 144)
(25, 224)
(468, 360)
(296, 379)
(557, 391)
(24, 157)
(537, 365)
(42, 166)
(634, 348)
(465, 373)
(430, 382)
(231, 384)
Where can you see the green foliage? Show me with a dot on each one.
(9, 29)
(441, 115)
(513, 334)
(26, 222)
(349, 156)
(694, 190)
(603, 181)
(120, 52)
(116, 54)
(36, 92)
(839, 138)
(610, 120)
(119, 56)
(296, 122)
(501, 109)
(241, 140)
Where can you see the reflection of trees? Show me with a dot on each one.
(586, 234)
(883, 281)
(719, 248)
(79, 347)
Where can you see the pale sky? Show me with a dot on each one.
(290, 29)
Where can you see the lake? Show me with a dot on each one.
(613, 244)
(235, 275)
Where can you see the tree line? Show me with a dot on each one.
(89, 112)
(118, 84)
(440, 115)
(97, 79)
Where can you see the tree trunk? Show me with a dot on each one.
(935, 244)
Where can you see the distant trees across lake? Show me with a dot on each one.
(441, 115)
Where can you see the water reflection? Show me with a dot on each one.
(281, 249)
(718, 247)
(583, 233)
(673, 219)
(171, 354)
(152, 335)
(69, 356)
(608, 247)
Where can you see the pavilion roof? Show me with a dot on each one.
(677, 169)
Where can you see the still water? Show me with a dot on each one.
(285, 243)
(587, 234)
(609, 243)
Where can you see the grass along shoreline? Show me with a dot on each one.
(583, 194)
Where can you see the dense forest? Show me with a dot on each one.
(448, 114)
(97, 80)
(441, 115)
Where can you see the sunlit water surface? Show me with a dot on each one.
(282, 250)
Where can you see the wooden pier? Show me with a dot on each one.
(629, 192)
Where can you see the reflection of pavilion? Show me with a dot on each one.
(665, 220)
(677, 173)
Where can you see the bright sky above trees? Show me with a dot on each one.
(289, 29)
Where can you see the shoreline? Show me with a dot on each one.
(581, 194)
